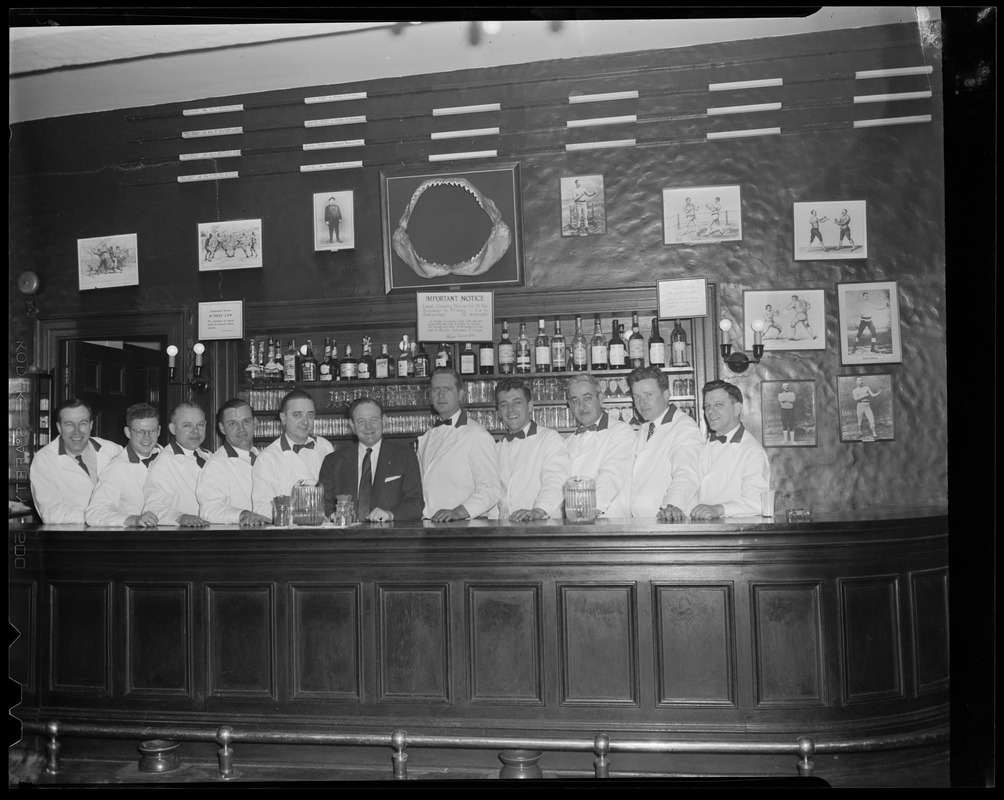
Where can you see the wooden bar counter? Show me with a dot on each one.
(738, 631)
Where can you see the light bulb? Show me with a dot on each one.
(725, 325)
(198, 349)
(757, 326)
(172, 351)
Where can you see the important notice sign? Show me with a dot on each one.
(455, 316)
(221, 320)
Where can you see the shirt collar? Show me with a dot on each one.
(285, 444)
(233, 452)
(135, 458)
(91, 441)
(737, 434)
(668, 414)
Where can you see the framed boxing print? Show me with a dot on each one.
(788, 410)
(868, 315)
(107, 261)
(702, 215)
(583, 206)
(866, 407)
(793, 319)
(456, 228)
(230, 244)
(830, 230)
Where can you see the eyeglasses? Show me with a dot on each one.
(145, 433)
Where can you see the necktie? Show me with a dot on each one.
(253, 457)
(509, 437)
(83, 466)
(443, 422)
(298, 447)
(584, 428)
(199, 460)
(365, 487)
(651, 430)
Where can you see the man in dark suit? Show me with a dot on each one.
(382, 476)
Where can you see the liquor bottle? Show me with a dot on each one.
(444, 355)
(656, 346)
(335, 375)
(616, 350)
(411, 361)
(273, 369)
(636, 345)
(289, 363)
(326, 369)
(262, 345)
(348, 367)
(486, 358)
(253, 367)
(523, 360)
(468, 360)
(423, 364)
(507, 353)
(542, 348)
(559, 356)
(308, 364)
(580, 348)
(367, 366)
(404, 358)
(598, 347)
(678, 340)
(384, 364)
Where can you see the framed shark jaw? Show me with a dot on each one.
(450, 228)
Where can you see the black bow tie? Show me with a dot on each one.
(443, 422)
(509, 437)
(715, 438)
(584, 428)
(298, 447)
(146, 461)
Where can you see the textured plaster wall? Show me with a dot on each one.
(68, 182)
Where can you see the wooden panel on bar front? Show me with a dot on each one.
(788, 645)
(505, 644)
(599, 650)
(695, 644)
(326, 642)
(80, 640)
(413, 663)
(930, 626)
(241, 641)
(21, 613)
(158, 647)
(870, 634)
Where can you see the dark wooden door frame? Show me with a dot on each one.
(174, 323)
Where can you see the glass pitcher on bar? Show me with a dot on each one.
(307, 500)
(580, 499)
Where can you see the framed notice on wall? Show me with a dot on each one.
(683, 298)
(221, 320)
(455, 316)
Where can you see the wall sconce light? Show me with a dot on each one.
(739, 362)
(199, 383)
(27, 284)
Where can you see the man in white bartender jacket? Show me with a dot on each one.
(734, 466)
(666, 472)
(460, 477)
(64, 472)
(296, 455)
(169, 492)
(533, 461)
(601, 448)
(224, 485)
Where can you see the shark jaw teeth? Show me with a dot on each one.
(491, 251)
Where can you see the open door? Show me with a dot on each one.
(113, 377)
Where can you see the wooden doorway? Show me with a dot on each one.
(111, 376)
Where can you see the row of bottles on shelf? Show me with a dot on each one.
(269, 363)
(558, 417)
(479, 392)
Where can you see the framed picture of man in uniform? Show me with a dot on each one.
(788, 411)
(866, 408)
(869, 323)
